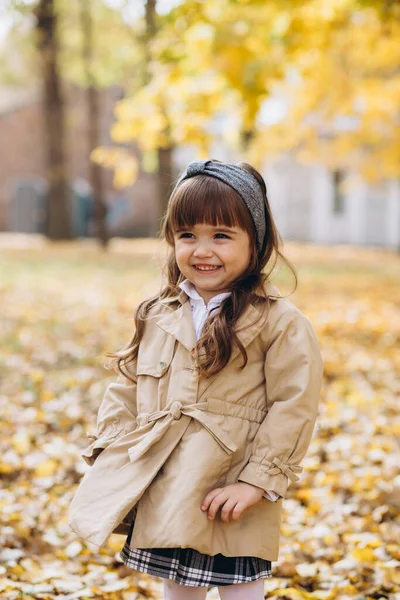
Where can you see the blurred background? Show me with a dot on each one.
(102, 104)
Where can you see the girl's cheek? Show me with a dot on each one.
(182, 251)
(181, 258)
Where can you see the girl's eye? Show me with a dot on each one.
(224, 235)
(185, 234)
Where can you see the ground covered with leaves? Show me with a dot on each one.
(65, 305)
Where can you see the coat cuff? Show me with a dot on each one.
(98, 444)
(274, 478)
(270, 495)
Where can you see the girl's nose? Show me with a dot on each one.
(202, 250)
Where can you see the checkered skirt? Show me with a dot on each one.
(190, 567)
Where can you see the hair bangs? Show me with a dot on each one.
(203, 199)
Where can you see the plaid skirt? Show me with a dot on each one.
(190, 567)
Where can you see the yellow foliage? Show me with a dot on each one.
(37, 376)
(333, 64)
(364, 554)
(314, 508)
(46, 395)
(125, 164)
(21, 442)
(304, 494)
(347, 89)
(46, 469)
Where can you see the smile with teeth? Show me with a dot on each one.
(207, 267)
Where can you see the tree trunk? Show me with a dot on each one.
(165, 179)
(165, 168)
(246, 138)
(151, 27)
(93, 106)
(58, 212)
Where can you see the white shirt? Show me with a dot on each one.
(200, 312)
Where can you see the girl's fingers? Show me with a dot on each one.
(226, 510)
(209, 498)
(237, 511)
(219, 499)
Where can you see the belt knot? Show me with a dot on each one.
(175, 409)
(142, 419)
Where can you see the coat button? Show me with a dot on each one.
(163, 364)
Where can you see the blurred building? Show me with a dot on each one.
(22, 163)
(314, 204)
(309, 203)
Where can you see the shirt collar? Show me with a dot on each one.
(188, 287)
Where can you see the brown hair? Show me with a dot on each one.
(205, 199)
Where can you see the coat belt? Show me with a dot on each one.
(200, 411)
(94, 521)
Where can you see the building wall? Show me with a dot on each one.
(21, 150)
(302, 199)
(22, 154)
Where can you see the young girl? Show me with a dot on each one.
(215, 401)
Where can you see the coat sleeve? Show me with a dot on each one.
(270, 495)
(293, 372)
(116, 416)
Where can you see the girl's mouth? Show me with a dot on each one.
(206, 269)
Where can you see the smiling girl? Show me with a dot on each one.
(215, 403)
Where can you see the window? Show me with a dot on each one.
(338, 197)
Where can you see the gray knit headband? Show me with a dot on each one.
(243, 182)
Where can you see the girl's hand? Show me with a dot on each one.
(234, 498)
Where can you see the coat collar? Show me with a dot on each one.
(179, 322)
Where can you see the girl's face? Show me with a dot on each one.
(212, 257)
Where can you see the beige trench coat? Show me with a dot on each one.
(162, 444)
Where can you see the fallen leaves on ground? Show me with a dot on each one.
(65, 305)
